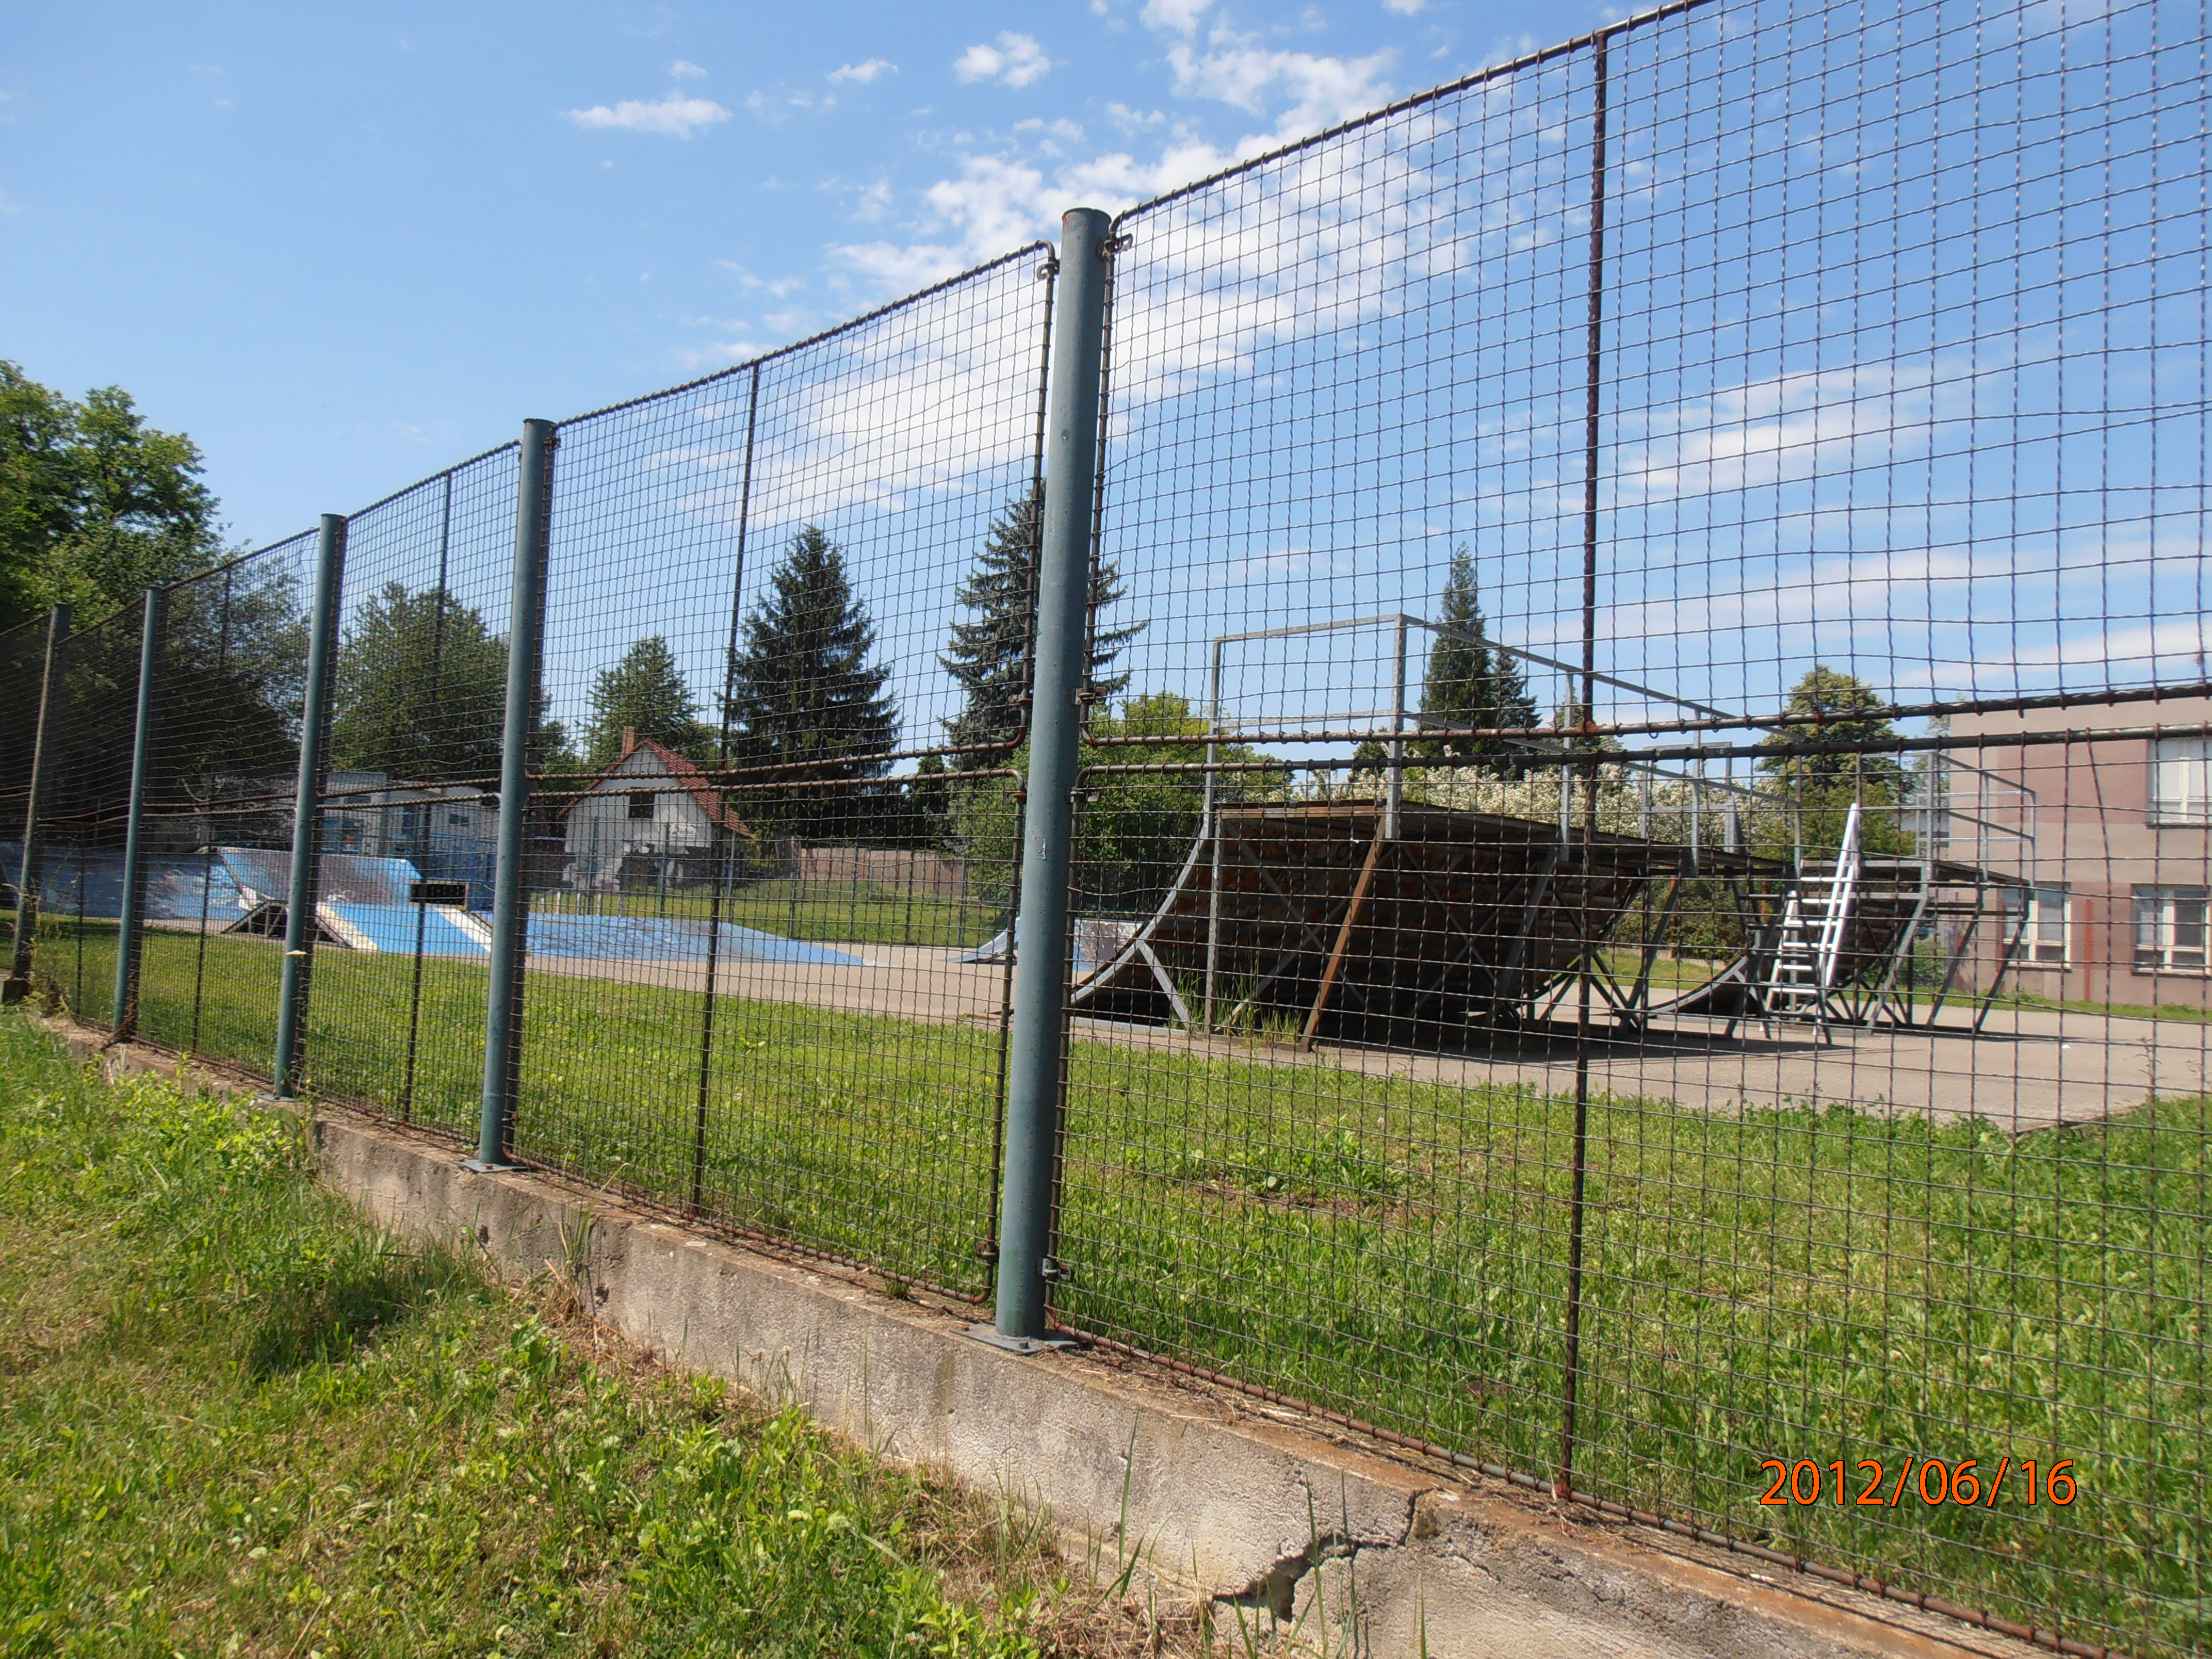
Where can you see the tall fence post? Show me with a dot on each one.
(131, 935)
(1033, 1071)
(307, 804)
(510, 916)
(18, 984)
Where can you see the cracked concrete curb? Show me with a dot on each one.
(1182, 1491)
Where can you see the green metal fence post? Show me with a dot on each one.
(510, 916)
(306, 813)
(1041, 933)
(18, 985)
(131, 935)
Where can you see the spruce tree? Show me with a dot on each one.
(646, 693)
(1469, 684)
(802, 689)
(988, 655)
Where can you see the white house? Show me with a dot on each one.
(650, 820)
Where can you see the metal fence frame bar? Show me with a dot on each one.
(42, 763)
(1061, 668)
(130, 933)
(510, 923)
(307, 811)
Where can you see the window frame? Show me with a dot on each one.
(2164, 923)
(2182, 808)
(2032, 919)
(652, 800)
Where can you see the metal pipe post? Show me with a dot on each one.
(510, 916)
(1033, 1083)
(1562, 1481)
(1395, 799)
(42, 765)
(131, 937)
(307, 809)
(1211, 827)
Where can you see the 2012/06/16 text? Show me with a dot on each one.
(1807, 1482)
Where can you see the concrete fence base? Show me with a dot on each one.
(1200, 1495)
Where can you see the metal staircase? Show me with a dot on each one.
(1809, 945)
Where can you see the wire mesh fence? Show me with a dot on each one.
(409, 805)
(745, 880)
(230, 659)
(1541, 495)
(22, 658)
(1643, 858)
(86, 816)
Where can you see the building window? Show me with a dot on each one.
(2181, 781)
(2170, 930)
(640, 803)
(2045, 926)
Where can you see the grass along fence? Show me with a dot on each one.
(1396, 1249)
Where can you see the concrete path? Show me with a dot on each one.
(2027, 1070)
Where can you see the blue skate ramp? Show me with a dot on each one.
(668, 939)
(392, 927)
(340, 878)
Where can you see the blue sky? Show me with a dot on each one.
(1905, 351)
(344, 247)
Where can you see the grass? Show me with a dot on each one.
(234, 1420)
(1771, 1281)
(850, 912)
(2174, 1010)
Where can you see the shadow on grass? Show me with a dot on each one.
(324, 1307)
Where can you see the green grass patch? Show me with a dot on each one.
(862, 1137)
(234, 1420)
(1760, 1282)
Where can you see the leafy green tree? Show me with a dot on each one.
(1829, 706)
(1136, 828)
(420, 690)
(233, 677)
(95, 505)
(988, 655)
(927, 804)
(645, 692)
(803, 691)
(1470, 684)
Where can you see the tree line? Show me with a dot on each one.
(95, 505)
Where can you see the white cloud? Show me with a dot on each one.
(1321, 91)
(682, 68)
(1405, 8)
(1134, 120)
(1179, 17)
(1015, 61)
(780, 286)
(862, 74)
(674, 115)
(773, 108)
(997, 202)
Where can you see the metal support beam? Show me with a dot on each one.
(510, 914)
(307, 809)
(130, 936)
(42, 768)
(1033, 1073)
